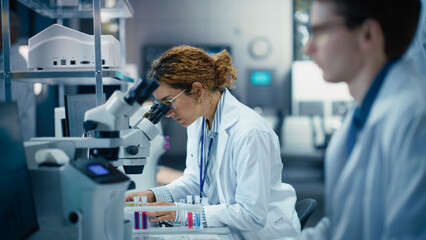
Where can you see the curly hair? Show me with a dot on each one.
(183, 65)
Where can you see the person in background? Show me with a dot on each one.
(375, 165)
(233, 155)
(22, 93)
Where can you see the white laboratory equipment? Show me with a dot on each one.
(82, 196)
(59, 47)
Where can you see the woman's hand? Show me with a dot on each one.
(161, 215)
(148, 193)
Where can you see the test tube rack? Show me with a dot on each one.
(130, 209)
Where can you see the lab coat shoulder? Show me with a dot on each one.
(403, 134)
(247, 132)
(400, 107)
(242, 118)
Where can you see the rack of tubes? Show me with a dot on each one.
(138, 216)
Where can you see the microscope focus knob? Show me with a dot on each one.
(132, 150)
(89, 125)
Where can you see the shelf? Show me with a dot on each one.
(76, 77)
(79, 8)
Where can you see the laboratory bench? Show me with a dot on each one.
(213, 233)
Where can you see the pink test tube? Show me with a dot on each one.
(190, 225)
(190, 219)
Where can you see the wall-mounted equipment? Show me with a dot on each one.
(261, 88)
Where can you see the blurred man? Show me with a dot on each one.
(375, 166)
(22, 93)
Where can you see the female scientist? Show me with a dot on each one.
(233, 155)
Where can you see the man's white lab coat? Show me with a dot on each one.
(380, 191)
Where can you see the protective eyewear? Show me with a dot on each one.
(170, 103)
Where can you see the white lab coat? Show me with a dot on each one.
(417, 49)
(253, 202)
(22, 93)
(380, 191)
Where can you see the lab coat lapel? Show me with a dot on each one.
(221, 145)
(348, 171)
(335, 161)
(229, 117)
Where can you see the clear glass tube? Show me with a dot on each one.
(182, 213)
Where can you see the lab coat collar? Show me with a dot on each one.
(230, 111)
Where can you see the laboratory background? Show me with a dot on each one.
(71, 84)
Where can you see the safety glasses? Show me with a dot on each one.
(170, 103)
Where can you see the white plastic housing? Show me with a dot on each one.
(59, 47)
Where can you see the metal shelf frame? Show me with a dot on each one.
(97, 76)
(75, 77)
(6, 49)
(83, 9)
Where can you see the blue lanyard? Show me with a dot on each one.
(203, 176)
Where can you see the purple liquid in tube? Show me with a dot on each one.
(137, 223)
(144, 220)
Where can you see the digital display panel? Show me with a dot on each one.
(98, 169)
(260, 78)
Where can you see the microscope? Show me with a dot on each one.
(78, 192)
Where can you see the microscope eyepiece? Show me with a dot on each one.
(157, 111)
(149, 89)
(135, 92)
(141, 91)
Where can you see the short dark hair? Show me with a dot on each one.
(397, 18)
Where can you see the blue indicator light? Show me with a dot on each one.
(260, 78)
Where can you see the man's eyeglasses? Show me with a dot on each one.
(321, 28)
(170, 103)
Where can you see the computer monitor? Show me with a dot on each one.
(75, 107)
(18, 219)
